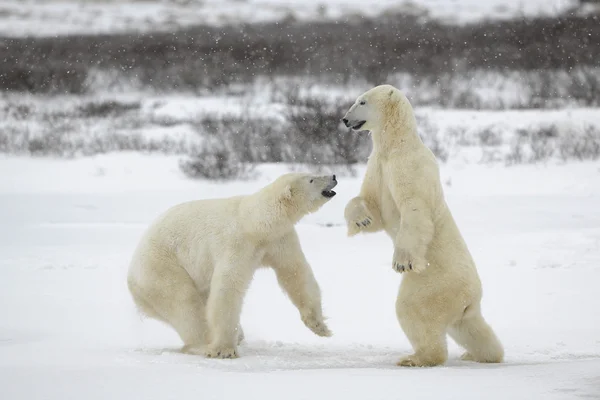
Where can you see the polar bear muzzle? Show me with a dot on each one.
(354, 124)
(327, 192)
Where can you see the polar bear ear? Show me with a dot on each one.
(287, 192)
(393, 95)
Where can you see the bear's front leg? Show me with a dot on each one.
(298, 281)
(359, 218)
(413, 238)
(296, 278)
(224, 308)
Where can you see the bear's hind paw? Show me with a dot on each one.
(221, 352)
(406, 362)
(415, 361)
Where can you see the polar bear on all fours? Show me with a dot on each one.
(402, 195)
(194, 264)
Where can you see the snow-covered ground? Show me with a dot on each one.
(69, 330)
(60, 17)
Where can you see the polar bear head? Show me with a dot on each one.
(294, 195)
(306, 193)
(277, 207)
(381, 109)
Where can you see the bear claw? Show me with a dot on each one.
(401, 268)
(362, 222)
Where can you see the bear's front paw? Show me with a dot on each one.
(316, 325)
(221, 352)
(404, 261)
(358, 225)
(357, 216)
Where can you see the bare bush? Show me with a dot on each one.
(43, 76)
(533, 145)
(253, 140)
(543, 143)
(430, 135)
(109, 108)
(585, 86)
(16, 111)
(312, 136)
(216, 161)
(585, 146)
(548, 142)
(66, 144)
(317, 134)
(490, 136)
(515, 155)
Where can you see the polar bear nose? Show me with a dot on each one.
(334, 178)
(345, 121)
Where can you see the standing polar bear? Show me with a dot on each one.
(402, 195)
(192, 267)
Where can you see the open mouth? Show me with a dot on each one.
(358, 125)
(328, 192)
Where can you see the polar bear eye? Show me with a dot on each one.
(362, 102)
(311, 181)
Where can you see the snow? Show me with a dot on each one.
(69, 328)
(61, 17)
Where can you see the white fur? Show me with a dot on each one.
(192, 267)
(401, 194)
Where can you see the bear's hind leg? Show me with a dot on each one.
(224, 307)
(474, 334)
(190, 323)
(173, 298)
(426, 335)
(241, 335)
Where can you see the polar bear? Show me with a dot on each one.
(401, 194)
(193, 265)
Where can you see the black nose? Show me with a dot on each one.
(345, 121)
(334, 177)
